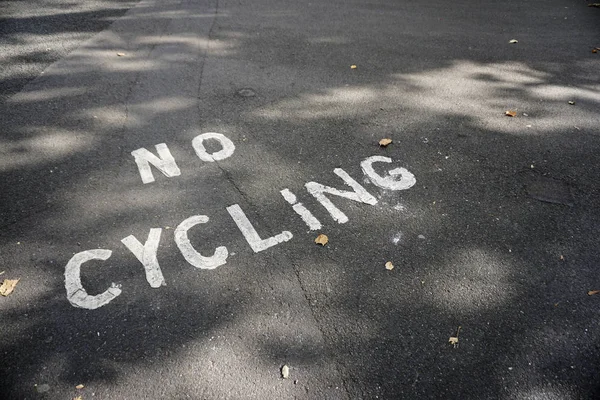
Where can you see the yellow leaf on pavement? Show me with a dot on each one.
(8, 286)
(389, 266)
(510, 113)
(385, 142)
(593, 292)
(322, 239)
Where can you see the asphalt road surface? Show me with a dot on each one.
(167, 165)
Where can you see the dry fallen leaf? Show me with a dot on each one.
(78, 398)
(353, 66)
(510, 113)
(385, 142)
(120, 54)
(285, 372)
(572, 103)
(389, 266)
(513, 41)
(8, 286)
(562, 257)
(322, 239)
(80, 386)
(454, 339)
(593, 292)
(594, 50)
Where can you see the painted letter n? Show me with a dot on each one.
(165, 162)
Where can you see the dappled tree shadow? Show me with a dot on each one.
(471, 247)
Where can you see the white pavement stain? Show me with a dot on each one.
(76, 294)
(397, 238)
(189, 253)
(399, 207)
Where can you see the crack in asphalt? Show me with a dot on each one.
(138, 75)
(295, 268)
(209, 38)
(228, 176)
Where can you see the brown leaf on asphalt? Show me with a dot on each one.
(595, 50)
(385, 142)
(454, 339)
(322, 239)
(80, 386)
(593, 292)
(510, 113)
(8, 286)
(389, 266)
(120, 54)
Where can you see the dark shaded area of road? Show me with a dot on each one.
(34, 34)
(498, 236)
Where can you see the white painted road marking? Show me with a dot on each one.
(245, 226)
(397, 179)
(308, 218)
(406, 181)
(360, 194)
(165, 162)
(226, 151)
(76, 294)
(190, 254)
(147, 255)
